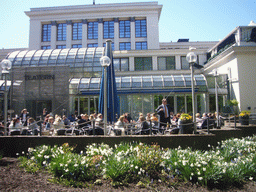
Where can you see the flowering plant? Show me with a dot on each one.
(185, 117)
(244, 114)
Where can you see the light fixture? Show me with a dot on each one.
(105, 61)
(192, 58)
(6, 65)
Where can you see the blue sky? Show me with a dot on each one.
(198, 20)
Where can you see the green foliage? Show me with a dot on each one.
(232, 162)
(233, 102)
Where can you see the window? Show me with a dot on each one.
(62, 32)
(141, 45)
(143, 63)
(46, 47)
(93, 30)
(124, 29)
(141, 28)
(166, 63)
(125, 46)
(61, 46)
(121, 64)
(108, 29)
(46, 32)
(92, 45)
(77, 46)
(184, 63)
(112, 45)
(77, 31)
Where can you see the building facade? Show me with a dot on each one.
(61, 69)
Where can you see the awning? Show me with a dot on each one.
(141, 84)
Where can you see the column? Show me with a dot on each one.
(69, 34)
(84, 33)
(131, 63)
(116, 33)
(154, 63)
(53, 34)
(100, 32)
(132, 33)
(177, 62)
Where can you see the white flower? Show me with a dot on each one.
(131, 165)
(136, 167)
(139, 173)
(204, 169)
(192, 174)
(76, 165)
(66, 170)
(200, 178)
(30, 149)
(44, 162)
(250, 178)
(61, 164)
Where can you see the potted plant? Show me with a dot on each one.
(244, 117)
(186, 124)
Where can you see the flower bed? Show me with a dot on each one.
(231, 163)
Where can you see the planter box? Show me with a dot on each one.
(244, 120)
(186, 127)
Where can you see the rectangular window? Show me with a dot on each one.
(143, 63)
(112, 45)
(141, 28)
(92, 45)
(93, 30)
(166, 63)
(125, 46)
(108, 29)
(121, 64)
(61, 46)
(62, 32)
(141, 45)
(124, 29)
(76, 46)
(46, 32)
(184, 62)
(77, 31)
(46, 47)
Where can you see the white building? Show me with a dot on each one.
(72, 37)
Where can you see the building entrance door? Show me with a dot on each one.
(35, 107)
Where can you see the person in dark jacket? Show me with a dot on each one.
(163, 111)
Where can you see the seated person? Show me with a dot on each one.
(32, 127)
(119, 126)
(154, 120)
(99, 121)
(15, 125)
(66, 121)
(143, 125)
(199, 120)
(49, 125)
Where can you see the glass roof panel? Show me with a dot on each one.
(95, 83)
(179, 81)
(187, 80)
(157, 81)
(168, 81)
(125, 82)
(62, 56)
(147, 81)
(136, 82)
(118, 82)
(19, 58)
(12, 55)
(53, 57)
(35, 59)
(43, 60)
(84, 83)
